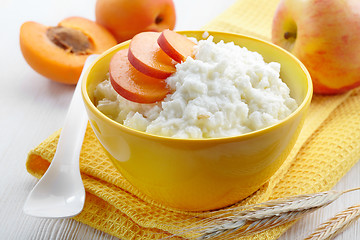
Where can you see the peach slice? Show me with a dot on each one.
(147, 57)
(132, 84)
(59, 53)
(177, 46)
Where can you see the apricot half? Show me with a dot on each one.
(59, 53)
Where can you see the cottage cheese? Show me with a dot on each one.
(226, 90)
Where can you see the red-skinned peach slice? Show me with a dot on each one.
(147, 57)
(175, 45)
(132, 84)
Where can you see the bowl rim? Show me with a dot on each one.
(306, 101)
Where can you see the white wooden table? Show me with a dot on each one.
(32, 107)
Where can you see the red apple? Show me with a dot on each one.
(125, 18)
(325, 36)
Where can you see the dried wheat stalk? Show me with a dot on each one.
(240, 221)
(270, 214)
(335, 225)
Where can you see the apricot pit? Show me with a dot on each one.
(69, 39)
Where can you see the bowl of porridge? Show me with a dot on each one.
(234, 110)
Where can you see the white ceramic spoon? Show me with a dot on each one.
(60, 192)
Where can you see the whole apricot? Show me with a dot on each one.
(59, 52)
(125, 18)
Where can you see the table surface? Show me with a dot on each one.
(32, 108)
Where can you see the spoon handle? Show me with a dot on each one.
(75, 122)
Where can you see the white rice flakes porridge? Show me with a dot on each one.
(225, 91)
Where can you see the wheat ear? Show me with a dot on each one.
(335, 225)
(245, 220)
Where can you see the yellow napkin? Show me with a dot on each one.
(327, 148)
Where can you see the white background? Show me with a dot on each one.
(32, 108)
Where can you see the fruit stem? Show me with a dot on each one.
(288, 35)
(158, 19)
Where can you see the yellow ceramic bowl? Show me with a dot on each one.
(201, 174)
